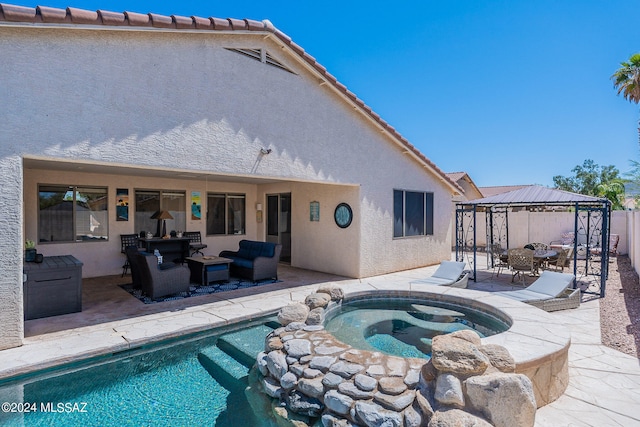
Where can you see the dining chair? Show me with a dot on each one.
(195, 242)
(537, 246)
(125, 241)
(558, 261)
(499, 258)
(520, 261)
(614, 239)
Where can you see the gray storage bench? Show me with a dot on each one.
(52, 287)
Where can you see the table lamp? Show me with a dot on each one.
(162, 215)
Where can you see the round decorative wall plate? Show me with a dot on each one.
(343, 215)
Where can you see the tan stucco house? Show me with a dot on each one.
(227, 124)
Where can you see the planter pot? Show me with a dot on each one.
(30, 255)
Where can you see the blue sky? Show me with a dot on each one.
(509, 91)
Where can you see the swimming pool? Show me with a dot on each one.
(195, 381)
(405, 326)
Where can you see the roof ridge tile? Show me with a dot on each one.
(183, 22)
(253, 25)
(52, 14)
(161, 21)
(112, 18)
(83, 16)
(16, 13)
(202, 23)
(221, 24)
(138, 19)
(237, 24)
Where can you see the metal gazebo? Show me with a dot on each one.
(592, 219)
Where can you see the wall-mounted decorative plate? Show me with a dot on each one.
(343, 215)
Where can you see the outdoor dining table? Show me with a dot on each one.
(541, 256)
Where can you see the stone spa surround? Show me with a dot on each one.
(314, 379)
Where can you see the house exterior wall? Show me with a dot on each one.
(11, 214)
(102, 258)
(181, 102)
(470, 191)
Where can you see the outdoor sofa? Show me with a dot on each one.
(449, 273)
(255, 260)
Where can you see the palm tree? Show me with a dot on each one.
(627, 79)
(614, 191)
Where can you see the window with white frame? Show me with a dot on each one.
(69, 213)
(412, 213)
(226, 213)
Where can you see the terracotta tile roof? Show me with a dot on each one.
(455, 176)
(47, 15)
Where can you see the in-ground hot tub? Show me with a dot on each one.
(535, 340)
(405, 326)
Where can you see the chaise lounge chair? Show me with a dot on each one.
(550, 292)
(449, 273)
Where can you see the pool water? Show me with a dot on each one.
(405, 327)
(199, 381)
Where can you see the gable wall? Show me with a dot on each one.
(179, 100)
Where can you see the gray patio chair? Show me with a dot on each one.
(449, 273)
(161, 280)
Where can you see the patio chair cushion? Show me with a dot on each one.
(449, 270)
(524, 295)
(549, 285)
(251, 250)
(447, 274)
(242, 262)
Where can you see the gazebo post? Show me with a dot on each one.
(575, 245)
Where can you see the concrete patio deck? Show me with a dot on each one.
(604, 386)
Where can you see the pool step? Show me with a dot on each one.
(244, 345)
(230, 373)
(229, 360)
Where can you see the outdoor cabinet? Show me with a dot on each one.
(52, 287)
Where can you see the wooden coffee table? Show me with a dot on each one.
(207, 269)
